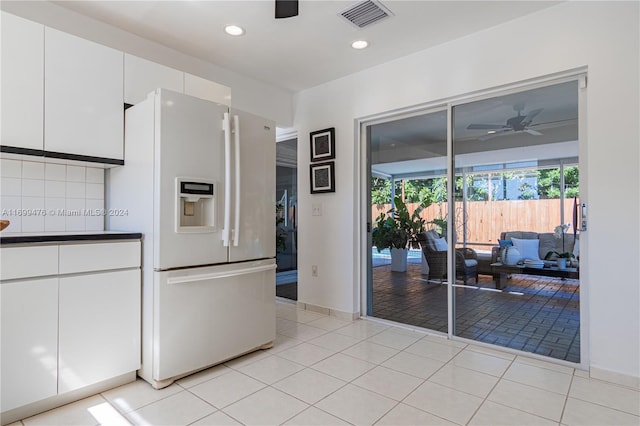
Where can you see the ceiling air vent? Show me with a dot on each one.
(366, 13)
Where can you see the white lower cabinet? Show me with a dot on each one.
(98, 338)
(29, 369)
(74, 330)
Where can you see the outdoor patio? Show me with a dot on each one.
(535, 314)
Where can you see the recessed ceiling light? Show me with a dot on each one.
(491, 132)
(234, 30)
(359, 44)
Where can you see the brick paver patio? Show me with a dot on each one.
(534, 314)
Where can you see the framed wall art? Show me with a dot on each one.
(322, 177)
(323, 144)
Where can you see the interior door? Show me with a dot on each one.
(253, 208)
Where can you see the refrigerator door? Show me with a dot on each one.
(189, 147)
(253, 185)
(204, 316)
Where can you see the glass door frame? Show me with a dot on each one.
(363, 210)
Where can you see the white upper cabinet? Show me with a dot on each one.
(206, 89)
(22, 82)
(84, 106)
(142, 77)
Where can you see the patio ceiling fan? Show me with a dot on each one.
(519, 123)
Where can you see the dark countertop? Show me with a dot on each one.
(7, 238)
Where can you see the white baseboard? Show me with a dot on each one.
(38, 407)
(345, 316)
(615, 377)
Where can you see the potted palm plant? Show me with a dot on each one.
(395, 229)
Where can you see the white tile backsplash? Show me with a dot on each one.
(32, 187)
(76, 190)
(55, 188)
(76, 174)
(95, 191)
(11, 186)
(55, 172)
(33, 219)
(32, 170)
(94, 220)
(44, 197)
(10, 168)
(74, 217)
(95, 175)
(55, 218)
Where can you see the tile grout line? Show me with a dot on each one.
(486, 398)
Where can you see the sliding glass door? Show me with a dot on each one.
(497, 251)
(408, 181)
(516, 185)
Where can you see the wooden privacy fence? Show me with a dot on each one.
(487, 219)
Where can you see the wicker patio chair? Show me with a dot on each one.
(466, 259)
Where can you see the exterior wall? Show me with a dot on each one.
(602, 36)
(247, 94)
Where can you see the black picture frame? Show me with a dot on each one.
(322, 177)
(323, 144)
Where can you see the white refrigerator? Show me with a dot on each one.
(199, 183)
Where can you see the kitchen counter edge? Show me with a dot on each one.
(68, 237)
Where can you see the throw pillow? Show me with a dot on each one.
(441, 244)
(528, 248)
(505, 243)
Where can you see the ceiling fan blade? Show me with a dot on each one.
(555, 122)
(286, 8)
(484, 126)
(532, 115)
(533, 132)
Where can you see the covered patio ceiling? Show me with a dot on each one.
(416, 145)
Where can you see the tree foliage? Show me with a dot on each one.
(520, 184)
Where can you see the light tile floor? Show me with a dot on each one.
(324, 371)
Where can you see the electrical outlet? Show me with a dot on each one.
(314, 270)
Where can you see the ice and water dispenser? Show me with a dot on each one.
(195, 205)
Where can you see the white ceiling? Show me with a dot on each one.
(307, 50)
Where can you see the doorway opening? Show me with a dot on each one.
(287, 219)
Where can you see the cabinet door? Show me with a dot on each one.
(22, 82)
(99, 327)
(205, 89)
(142, 77)
(84, 110)
(29, 341)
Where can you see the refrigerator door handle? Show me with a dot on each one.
(215, 275)
(236, 139)
(226, 126)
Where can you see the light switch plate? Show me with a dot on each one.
(316, 209)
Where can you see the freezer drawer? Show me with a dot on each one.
(204, 316)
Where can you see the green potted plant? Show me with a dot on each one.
(441, 224)
(395, 229)
(561, 257)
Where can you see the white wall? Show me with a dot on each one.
(602, 36)
(247, 94)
